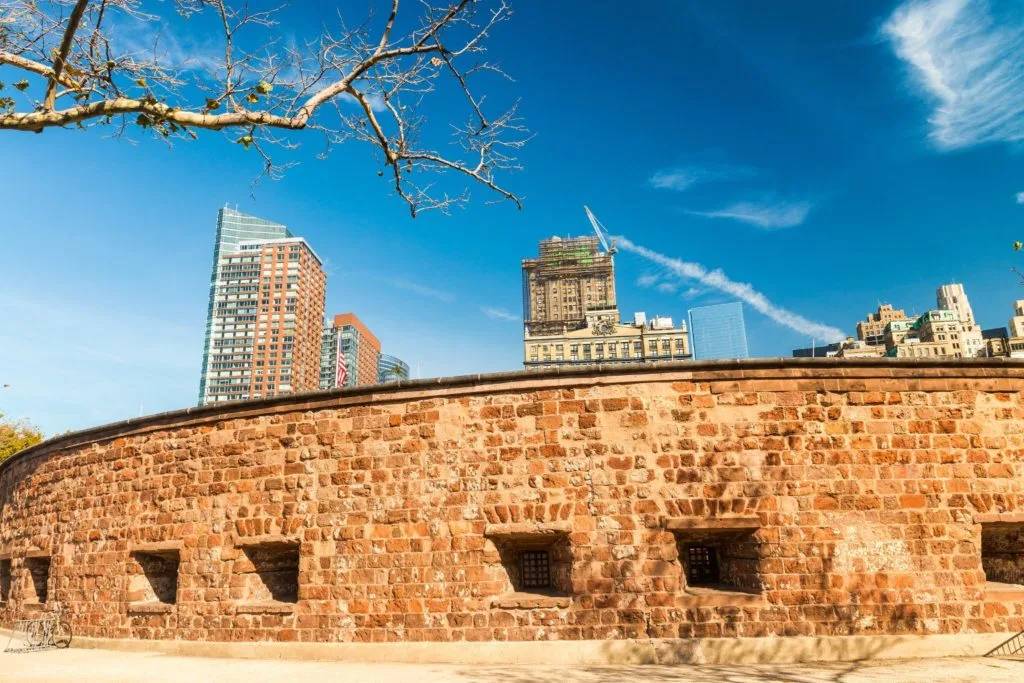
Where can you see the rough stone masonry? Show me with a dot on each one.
(753, 498)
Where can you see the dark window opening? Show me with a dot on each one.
(154, 577)
(702, 565)
(1002, 552)
(39, 579)
(539, 564)
(535, 569)
(270, 572)
(720, 556)
(5, 580)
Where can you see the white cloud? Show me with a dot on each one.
(423, 290)
(646, 280)
(969, 63)
(716, 279)
(693, 293)
(767, 215)
(683, 177)
(499, 314)
(1020, 197)
(668, 287)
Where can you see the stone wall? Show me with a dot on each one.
(838, 498)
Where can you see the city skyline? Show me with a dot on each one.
(854, 166)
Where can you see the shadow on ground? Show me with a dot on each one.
(678, 673)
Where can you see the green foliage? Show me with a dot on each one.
(21, 85)
(16, 436)
(1017, 246)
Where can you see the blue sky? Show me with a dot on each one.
(831, 155)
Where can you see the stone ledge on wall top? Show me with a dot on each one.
(716, 370)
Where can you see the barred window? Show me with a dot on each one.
(701, 565)
(535, 568)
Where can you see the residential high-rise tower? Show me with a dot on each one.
(266, 307)
(349, 353)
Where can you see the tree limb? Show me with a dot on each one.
(369, 82)
(36, 68)
(62, 54)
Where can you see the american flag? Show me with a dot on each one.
(342, 376)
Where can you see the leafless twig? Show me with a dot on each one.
(82, 64)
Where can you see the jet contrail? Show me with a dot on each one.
(718, 280)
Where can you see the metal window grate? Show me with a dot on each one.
(535, 568)
(701, 565)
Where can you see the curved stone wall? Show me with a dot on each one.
(836, 498)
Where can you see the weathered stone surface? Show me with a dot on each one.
(869, 482)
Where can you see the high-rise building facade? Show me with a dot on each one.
(349, 353)
(266, 304)
(718, 332)
(569, 278)
(391, 369)
(233, 227)
(953, 298)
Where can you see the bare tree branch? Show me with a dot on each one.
(62, 53)
(108, 62)
(35, 67)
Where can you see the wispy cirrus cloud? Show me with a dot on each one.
(716, 279)
(682, 178)
(693, 293)
(970, 64)
(499, 314)
(422, 290)
(773, 215)
(1019, 197)
(669, 287)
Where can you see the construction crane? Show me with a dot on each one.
(602, 232)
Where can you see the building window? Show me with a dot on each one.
(269, 572)
(535, 569)
(701, 565)
(39, 579)
(536, 562)
(719, 554)
(5, 580)
(154, 577)
(1002, 553)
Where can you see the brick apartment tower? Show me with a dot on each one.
(569, 277)
(266, 307)
(349, 341)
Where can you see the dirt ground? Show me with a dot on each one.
(110, 666)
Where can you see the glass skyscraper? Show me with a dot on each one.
(391, 369)
(233, 228)
(717, 332)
